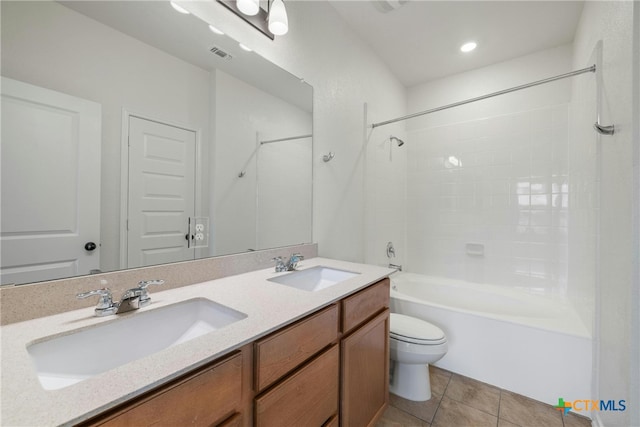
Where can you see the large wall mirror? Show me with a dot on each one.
(133, 135)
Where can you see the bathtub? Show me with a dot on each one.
(525, 343)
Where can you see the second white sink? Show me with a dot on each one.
(68, 359)
(314, 279)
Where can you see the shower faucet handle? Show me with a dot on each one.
(391, 252)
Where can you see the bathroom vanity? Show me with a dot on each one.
(299, 357)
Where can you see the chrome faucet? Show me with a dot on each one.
(132, 299)
(395, 267)
(290, 265)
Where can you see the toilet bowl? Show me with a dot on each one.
(413, 345)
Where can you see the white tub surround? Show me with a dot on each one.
(268, 306)
(531, 345)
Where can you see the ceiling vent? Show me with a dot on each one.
(221, 53)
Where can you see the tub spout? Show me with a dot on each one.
(396, 267)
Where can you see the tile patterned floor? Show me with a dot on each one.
(459, 401)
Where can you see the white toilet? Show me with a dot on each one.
(413, 345)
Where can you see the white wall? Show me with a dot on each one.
(612, 22)
(256, 211)
(46, 44)
(492, 173)
(345, 73)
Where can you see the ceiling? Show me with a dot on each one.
(420, 40)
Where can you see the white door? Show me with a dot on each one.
(161, 193)
(50, 184)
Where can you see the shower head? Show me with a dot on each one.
(398, 141)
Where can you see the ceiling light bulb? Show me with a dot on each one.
(215, 30)
(249, 7)
(179, 8)
(278, 21)
(468, 47)
(248, 49)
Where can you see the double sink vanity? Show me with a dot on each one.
(264, 348)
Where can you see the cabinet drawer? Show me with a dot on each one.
(203, 399)
(363, 305)
(307, 398)
(285, 350)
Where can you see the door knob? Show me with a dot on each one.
(89, 246)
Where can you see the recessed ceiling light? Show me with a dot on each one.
(179, 8)
(468, 47)
(248, 49)
(215, 30)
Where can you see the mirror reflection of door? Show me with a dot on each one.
(161, 197)
(50, 184)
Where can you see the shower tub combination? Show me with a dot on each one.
(525, 343)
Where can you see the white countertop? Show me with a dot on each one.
(268, 306)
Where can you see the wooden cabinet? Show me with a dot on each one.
(365, 373)
(365, 356)
(211, 396)
(305, 378)
(362, 306)
(308, 397)
(330, 368)
(283, 351)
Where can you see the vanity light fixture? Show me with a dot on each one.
(278, 20)
(248, 7)
(215, 30)
(179, 8)
(468, 47)
(270, 19)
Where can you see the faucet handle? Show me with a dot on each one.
(280, 266)
(292, 264)
(105, 300)
(145, 299)
(144, 283)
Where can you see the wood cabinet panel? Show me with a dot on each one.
(283, 351)
(365, 373)
(309, 397)
(205, 398)
(359, 307)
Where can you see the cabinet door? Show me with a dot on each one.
(365, 373)
(309, 397)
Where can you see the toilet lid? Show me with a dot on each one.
(411, 329)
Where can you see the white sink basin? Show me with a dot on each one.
(314, 279)
(68, 359)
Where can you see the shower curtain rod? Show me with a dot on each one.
(286, 139)
(591, 69)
